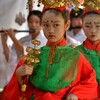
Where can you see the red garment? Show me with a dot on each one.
(99, 91)
(9, 94)
(85, 86)
(79, 88)
(58, 8)
(88, 11)
(61, 43)
(12, 90)
(91, 46)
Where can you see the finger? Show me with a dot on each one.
(68, 98)
(72, 97)
(29, 72)
(5, 31)
(31, 66)
(28, 67)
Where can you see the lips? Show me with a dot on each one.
(92, 35)
(51, 36)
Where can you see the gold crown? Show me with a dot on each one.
(91, 4)
(58, 3)
(87, 4)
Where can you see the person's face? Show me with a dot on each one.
(91, 26)
(76, 22)
(34, 22)
(54, 26)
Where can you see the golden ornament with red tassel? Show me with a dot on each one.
(31, 58)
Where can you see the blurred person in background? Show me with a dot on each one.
(75, 36)
(19, 46)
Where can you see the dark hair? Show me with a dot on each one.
(89, 13)
(34, 12)
(76, 13)
(64, 13)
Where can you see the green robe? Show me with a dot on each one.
(93, 57)
(62, 72)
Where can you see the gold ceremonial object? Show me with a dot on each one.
(32, 50)
(36, 42)
(29, 50)
(33, 53)
(37, 52)
(72, 46)
(31, 58)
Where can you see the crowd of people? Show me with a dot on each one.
(63, 73)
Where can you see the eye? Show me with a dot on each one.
(37, 22)
(98, 26)
(56, 25)
(30, 21)
(87, 26)
(45, 25)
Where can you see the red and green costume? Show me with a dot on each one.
(92, 53)
(67, 73)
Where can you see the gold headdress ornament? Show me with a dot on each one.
(58, 3)
(91, 4)
(87, 4)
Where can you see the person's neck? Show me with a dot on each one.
(96, 42)
(61, 42)
(55, 43)
(34, 36)
(92, 45)
(75, 31)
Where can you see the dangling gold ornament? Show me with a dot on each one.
(23, 88)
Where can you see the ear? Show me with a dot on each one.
(67, 25)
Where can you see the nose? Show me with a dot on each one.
(51, 30)
(33, 24)
(93, 29)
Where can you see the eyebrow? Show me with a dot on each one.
(56, 21)
(88, 23)
(91, 23)
(96, 22)
(53, 21)
(44, 22)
